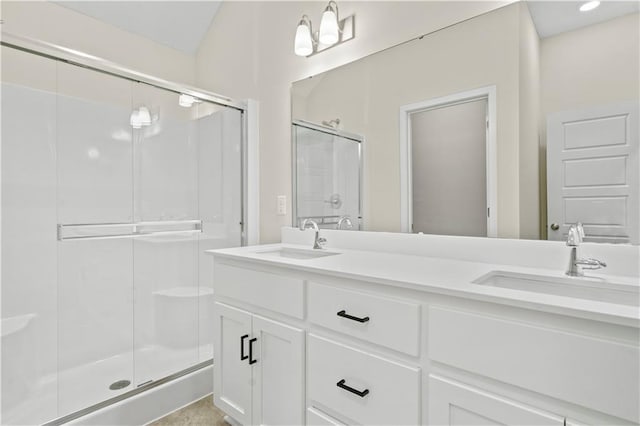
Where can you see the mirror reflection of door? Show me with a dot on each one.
(449, 169)
(592, 169)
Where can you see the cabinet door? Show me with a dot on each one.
(278, 393)
(453, 403)
(231, 373)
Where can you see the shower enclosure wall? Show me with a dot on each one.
(111, 192)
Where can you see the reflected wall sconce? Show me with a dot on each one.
(333, 32)
(141, 117)
(187, 101)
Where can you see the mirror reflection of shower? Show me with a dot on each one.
(327, 167)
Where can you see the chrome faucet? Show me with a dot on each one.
(576, 265)
(318, 242)
(344, 219)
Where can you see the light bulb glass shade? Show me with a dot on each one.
(186, 100)
(144, 116)
(303, 45)
(329, 31)
(589, 6)
(134, 120)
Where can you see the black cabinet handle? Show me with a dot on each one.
(251, 360)
(343, 314)
(361, 394)
(242, 355)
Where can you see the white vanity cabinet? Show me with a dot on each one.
(456, 404)
(259, 369)
(296, 346)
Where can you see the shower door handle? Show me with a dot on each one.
(242, 355)
(251, 360)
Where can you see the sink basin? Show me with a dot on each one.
(582, 288)
(291, 253)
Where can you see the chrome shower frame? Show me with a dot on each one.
(94, 63)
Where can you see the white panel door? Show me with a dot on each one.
(232, 372)
(453, 403)
(592, 173)
(277, 355)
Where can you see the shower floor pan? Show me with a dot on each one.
(78, 388)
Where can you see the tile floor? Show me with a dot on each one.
(200, 413)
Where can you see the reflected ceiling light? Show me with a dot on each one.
(590, 5)
(329, 30)
(303, 43)
(186, 101)
(333, 32)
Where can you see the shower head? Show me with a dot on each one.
(332, 123)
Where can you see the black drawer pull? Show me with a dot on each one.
(242, 355)
(343, 314)
(251, 360)
(361, 394)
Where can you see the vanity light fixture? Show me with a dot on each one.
(303, 44)
(590, 5)
(333, 32)
(329, 30)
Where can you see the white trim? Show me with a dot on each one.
(252, 174)
(488, 92)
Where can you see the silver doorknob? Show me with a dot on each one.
(555, 226)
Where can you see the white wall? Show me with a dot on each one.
(55, 24)
(248, 53)
(528, 126)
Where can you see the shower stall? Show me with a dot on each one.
(326, 175)
(113, 185)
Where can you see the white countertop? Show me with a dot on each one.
(443, 276)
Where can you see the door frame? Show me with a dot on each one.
(406, 185)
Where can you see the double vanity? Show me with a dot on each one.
(406, 329)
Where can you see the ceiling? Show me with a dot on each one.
(177, 24)
(182, 24)
(555, 17)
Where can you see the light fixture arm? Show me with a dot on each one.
(306, 21)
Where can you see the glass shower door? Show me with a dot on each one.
(165, 265)
(111, 193)
(186, 168)
(95, 275)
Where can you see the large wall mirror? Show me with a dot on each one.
(514, 124)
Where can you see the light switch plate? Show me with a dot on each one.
(282, 205)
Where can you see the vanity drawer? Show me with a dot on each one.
(316, 417)
(392, 389)
(382, 320)
(595, 373)
(275, 292)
